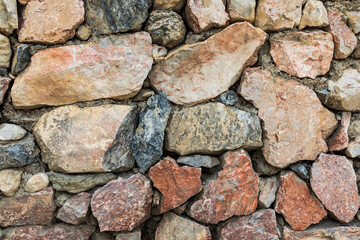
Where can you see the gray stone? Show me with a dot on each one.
(261, 166)
(76, 209)
(301, 169)
(134, 235)
(11, 132)
(192, 37)
(353, 149)
(199, 161)
(15, 156)
(147, 143)
(8, 16)
(268, 187)
(61, 197)
(21, 59)
(229, 98)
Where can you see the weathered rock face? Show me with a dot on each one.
(301, 169)
(5, 52)
(174, 227)
(122, 204)
(35, 208)
(354, 20)
(176, 184)
(344, 39)
(272, 15)
(333, 180)
(83, 32)
(314, 15)
(175, 5)
(11, 132)
(4, 85)
(38, 25)
(234, 192)
(303, 54)
(59, 76)
(268, 188)
(353, 149)
(199, 161)
(10, 181)
(195, 73)
(340, 139)
(75, 209)
(259, 225)
(37, 182)
(158, 53)
(356, 52)
(212, 128)
(8, 16)
(15, 156)
(90, 139)
(229, 98)
(240, 10)
(134, 235)
(21, 59)
(285, 107)
(295, 202)
(261, 166)
(106, 17)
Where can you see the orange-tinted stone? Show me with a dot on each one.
(340, 139)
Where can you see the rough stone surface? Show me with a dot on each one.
(261, 166)
(333, 180)
(234, 192)
(11, 132)
(212, 128)
(158, 53)
(301, 169)
(353, 149)
(75, 209)
(21, 59)
(176, 184)
(240, 10)
(83, 32)
(106, 17)
(143, 95)
(122, 204)
(340, 139)
(295, 202)
(15, 156)
(303, 54)
(61, 75)
(173, 227)
(195, 73)
(259, 225)
(199, 161)
(5, 52)
(147, 143)
(90, 139)
(78, 183)
(35, 209)
(344, 39)
(4, 85)
(285, 107)
(175, 5)
(192, 37)
(166, 28)
(314, 15)
(354, 20)
(37, 182)
(10, 181)
(37, 24)
(8, 16)
(356, 52)
(268, 188)
(229, 98)
(134, 235)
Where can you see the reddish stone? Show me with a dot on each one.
(75, 210)
(303, 54)
(177, 184)
(35, 208)
(295, 123)
(4, 85)
(340, 139)
(333, 180)
(122, 204)
(234, 192)
(259, 225)
(295, 202)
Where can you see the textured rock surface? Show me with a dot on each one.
(333, 180)
(259, 225)
(91, 139)
(37, 182)
(8, 16)
(261, 166)
(5, 52)
(212, 128)
(122, 204)
(35, 208)
(229, 98)
(340, 139)
(295, 202)
(61, 75)
(158, 53)
(175, 5)
(234, 192)
(10, 181)
(303, 54)
(15, 156)
(301, 169)
(354, 20)
(173, 227)
(38, 25)
(134, 235)
(353, 149)
(195, 73)
(240, 10)
(75, 209)
(21, 58)
(268, 188)
(4, 85)
(176, 184)
(147, 143)
(83, 32)
(199, 161)
(285, 107)
(356, 52)
(11, 132)
(314, 15)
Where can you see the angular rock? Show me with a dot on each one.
(344, 39)
(4, 85)
(21, 59)
(122, 204)
(106, 17)
(15, 156)
(173, 227)
(303, 54)
(301, 169)
(83, 32)
(90, 139)
(50, 21)
(143, 95)
(65, 79)
(158, 53)
(356, 52)
(229, 98)
(134, 235)
(176, 184)
(273, 15)
(78, 183)
(37, 182)
(240, 10)
(192, 37)
(259, 225)
(5, 52)
(199, 161)
(147, 143)
(234, 192)
(175, 5)
(314, 15)
(212, 128)
(340, 139)
(8, 17)
(295, 123)
(353, 149)
(195, 73)
(10, 181)
(333, 180)
(35, 208)
(354, 20)
(261, 166)
(268, 188)
(11, 132)
(295, 202)
(75, 210)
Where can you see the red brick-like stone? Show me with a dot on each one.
(340, 139)
(75, 210)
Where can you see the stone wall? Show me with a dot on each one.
(179, 119)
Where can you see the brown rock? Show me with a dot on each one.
(333, 180)
(50, 21)
(158, 53)
(4, 85)
(353, 149)
(10, 181)
(354, 20)
(295, 202)
(134, 235)
(90, 139)
(8, 16)
(195, 73)
(122, 204)
(83, 32)
(75, 210)
(314, 15)
(268, 188)
(241, 10)
(295, 123)
(356, 52)
(259, 225)
(35, 208)
(344, 39)
(175, 5)
(5, 52)
(37, 182)
(116, 67)
(234, 192)
(340, 139)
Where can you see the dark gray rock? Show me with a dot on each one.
(199, 161)
(147, 143)
(15, 156)
(114, 16)
(261, 166)
(229, 98)
(301, 169)
(21, 59)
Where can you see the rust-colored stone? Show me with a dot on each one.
(340, 139)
